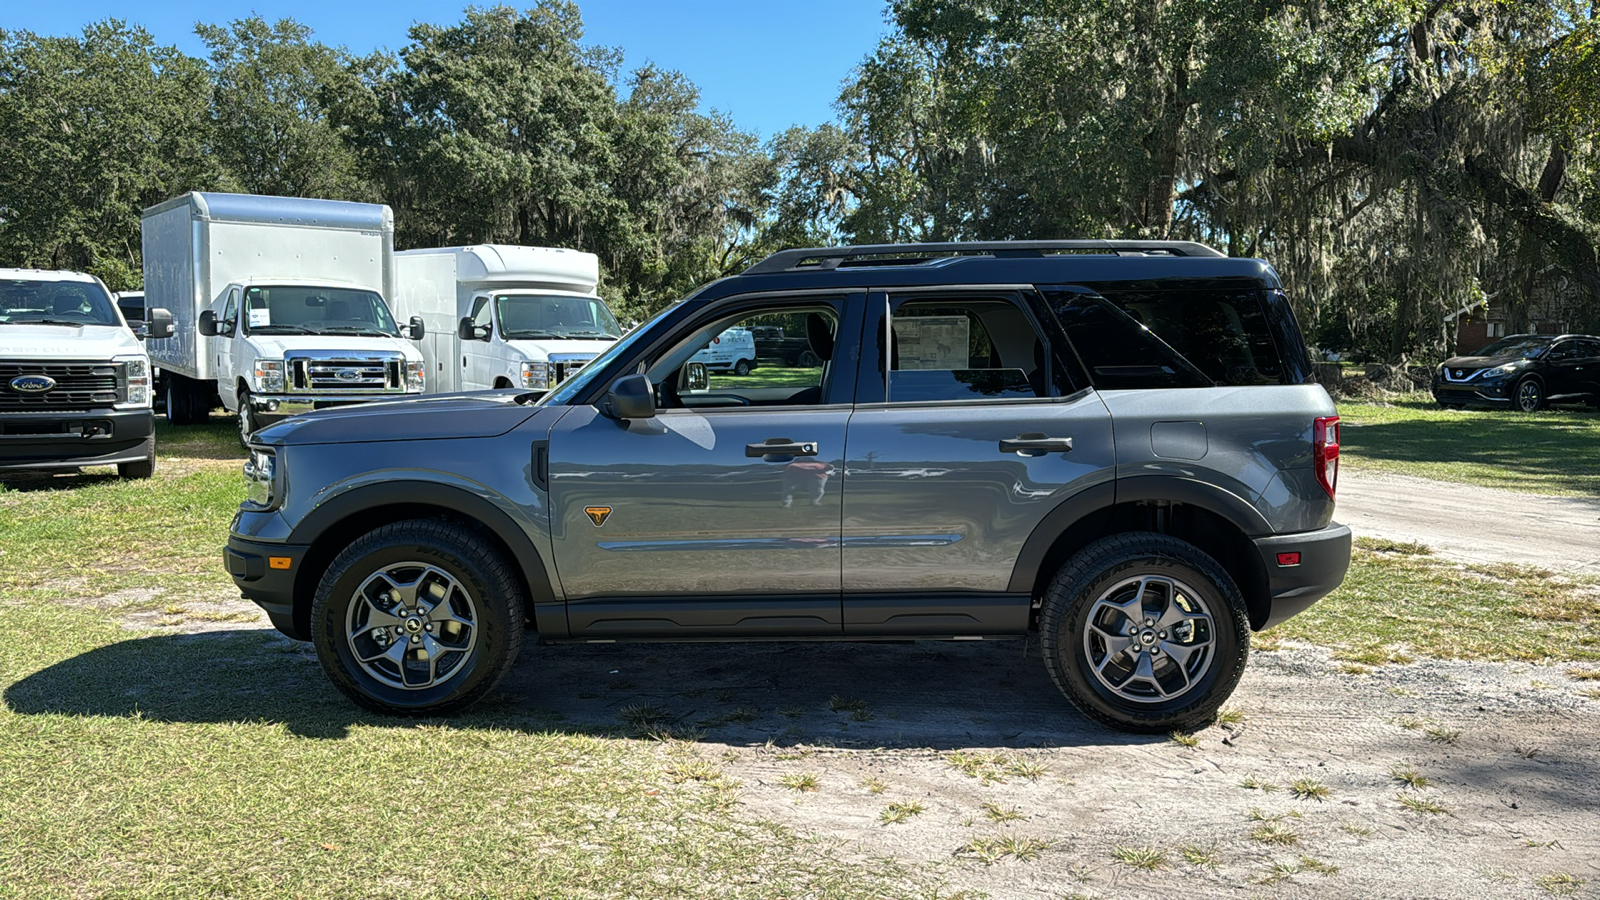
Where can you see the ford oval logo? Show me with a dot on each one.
(32, 384)
(348, 374)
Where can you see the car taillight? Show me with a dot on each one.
(1325, 452)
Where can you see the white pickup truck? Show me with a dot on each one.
(74, 378)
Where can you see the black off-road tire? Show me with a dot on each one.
(1096, 570)
(464, 554)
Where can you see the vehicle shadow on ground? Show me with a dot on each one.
(941, 696)
(32, 482)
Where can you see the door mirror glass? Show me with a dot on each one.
(695, 378)
(208, 323)
(415, 329)
(630, 397)
(470, 332)
(158, 324)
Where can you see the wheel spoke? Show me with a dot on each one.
(377, 618)
(1145, 672)
(1182, 653)
(444, 614)
(1116, 645)
(395, 653)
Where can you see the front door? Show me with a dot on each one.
(231, 327)
(976, 432)
(729, 495)
(477, 357)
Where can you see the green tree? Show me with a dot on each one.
(93, 129)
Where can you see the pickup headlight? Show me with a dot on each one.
(269, 376)
(260, 478)
(135, 374)
(536, 375)
(416, 376)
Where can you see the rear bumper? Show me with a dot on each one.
(1294, 583)
(69, 439)
(265, 574)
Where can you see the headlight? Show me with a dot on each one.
(260, 478)
(535, 375)
(269, 375)
(135, 382)
(416, 376)
(1506, 369)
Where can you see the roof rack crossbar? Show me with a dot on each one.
(824, 258)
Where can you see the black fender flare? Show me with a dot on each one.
(546, 605)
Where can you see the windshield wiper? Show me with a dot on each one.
(280, 329)
(355, 330)
(61, 322)
(515, 335)
(593, 334)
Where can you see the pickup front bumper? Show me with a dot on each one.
(1302, 569)
(68, 439)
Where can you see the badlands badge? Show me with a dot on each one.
(598, 514)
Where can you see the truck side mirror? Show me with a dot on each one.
(470, 332)
(630, 397)
(208, 323)
(415, 329)
(158, 324)
(696, 377)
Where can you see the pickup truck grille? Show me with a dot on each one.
(354, 375)
(560, 370)
(78, 386)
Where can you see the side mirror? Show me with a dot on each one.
(416, 330)
(696, 377)
(470, 332)
(158, 324)
(631, 397)
(208, 323)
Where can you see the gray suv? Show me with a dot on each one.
(1113, 444)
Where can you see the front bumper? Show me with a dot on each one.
(265, 574)
(67, 439)
(1323, 558)
(1473, 393)
(271, 408)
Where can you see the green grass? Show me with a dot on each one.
(151, 763)
(765, 376)
(1393, 606)
(1547, 452)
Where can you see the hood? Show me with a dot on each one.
(478, 414)
(274, 346)
(544, 348)
(53, 342)
(1474, 363)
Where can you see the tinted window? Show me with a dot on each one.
(1117, 348)
(1525, 345)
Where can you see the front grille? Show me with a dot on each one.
(354, 375)
(561, 370)
(79, 386)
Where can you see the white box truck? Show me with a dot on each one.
(500, 316)
(278, 306)
(74, 380)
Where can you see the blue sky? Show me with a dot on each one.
(768, 65)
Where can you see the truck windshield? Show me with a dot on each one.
(554, 316)
(301, 309)
(67, 303)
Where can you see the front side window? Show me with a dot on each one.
(299, 309)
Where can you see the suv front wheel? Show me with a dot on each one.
(417, 617)
(1145, 633)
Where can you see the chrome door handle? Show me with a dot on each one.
(1035, 444)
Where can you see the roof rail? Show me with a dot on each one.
(824, 258)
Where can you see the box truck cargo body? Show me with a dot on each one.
(279, 305)
(500, 316)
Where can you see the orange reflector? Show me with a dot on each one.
(1288, 559)
(282, 562)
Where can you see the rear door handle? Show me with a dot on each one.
(779, 449)
(1035, 444)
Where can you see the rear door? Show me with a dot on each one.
(968, 431)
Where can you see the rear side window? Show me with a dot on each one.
(1169, 339)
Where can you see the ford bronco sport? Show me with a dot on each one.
(1113, 444)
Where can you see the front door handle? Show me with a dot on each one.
(1035, 444)
(780, 449)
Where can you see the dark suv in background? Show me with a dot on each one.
(1523, 371)
(1116, 446)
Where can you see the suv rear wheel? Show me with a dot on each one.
(1145, 632)
(417, 617)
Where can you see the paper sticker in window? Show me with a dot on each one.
(932, 342)
(260, 318)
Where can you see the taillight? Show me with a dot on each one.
(1325, 452)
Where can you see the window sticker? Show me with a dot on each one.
(932, 342)
(260, 318)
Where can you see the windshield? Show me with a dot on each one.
(554, 316)
(55, 303)
(299, 309)
(575, 385)
(1524, 345)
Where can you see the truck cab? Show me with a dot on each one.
(529, 339)
(283, 347)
